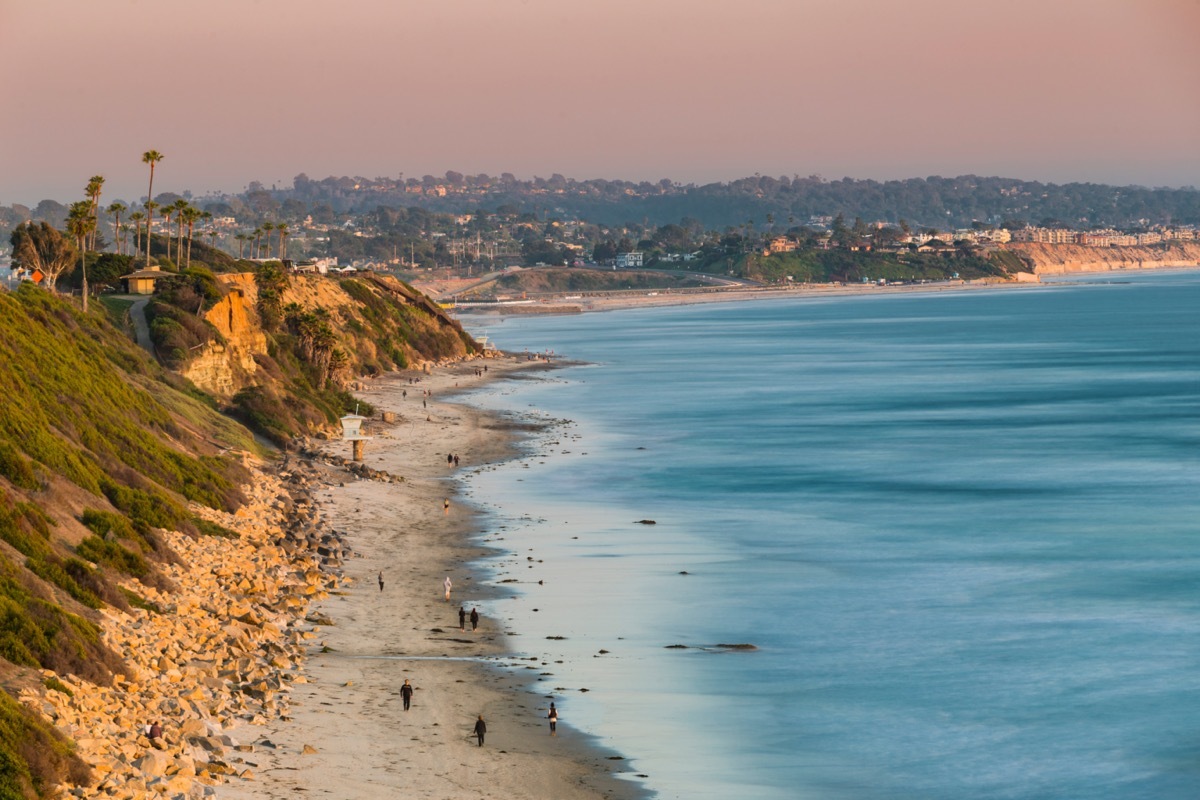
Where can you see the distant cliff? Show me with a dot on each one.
(1058, 259)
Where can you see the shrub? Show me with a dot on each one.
(213, 529)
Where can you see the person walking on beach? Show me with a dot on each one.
(406, 693)
(462, 618)
(553, 717)
(381, 580)
(456, 460)
(449, 459)
(474, 619)
(446, 583)
(446, 506)
(480, 729)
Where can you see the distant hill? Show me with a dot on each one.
(779, 202)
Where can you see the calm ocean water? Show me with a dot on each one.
(963, 531)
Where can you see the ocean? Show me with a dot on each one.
(961, 532)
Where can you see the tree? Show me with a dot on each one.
(116, 209)
(189, 215)
(179, 205)
(167, 212)
(136, 218)
(40, 246)
(267, 228)
(150, 206)
(95, 184)
(150, 157)
(80, 223)
(283, 231)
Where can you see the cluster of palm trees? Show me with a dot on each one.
(83, 222)
(262, 236)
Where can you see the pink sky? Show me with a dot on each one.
(233, 91)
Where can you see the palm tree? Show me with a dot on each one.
(267, 228)
(241, 240)
(95, 184)
(116, 209)
(81, 223)
(150, 157)
(180, 205)
(150, 206)
(136, 218)
(282, 230)
(167, 212)
(257, 235)
(124, 234)
(190, 215)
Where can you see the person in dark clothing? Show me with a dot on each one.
(553, 717)
(406, 693)
(456, 459)
(449, 458)
(474, 619)
(480, 729)
(381, 581)
(462, 618)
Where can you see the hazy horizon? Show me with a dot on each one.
(1096, 91)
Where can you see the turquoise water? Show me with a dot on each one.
(962, 530)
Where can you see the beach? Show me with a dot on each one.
(348, 735)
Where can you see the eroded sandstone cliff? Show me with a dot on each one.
(1057, 259)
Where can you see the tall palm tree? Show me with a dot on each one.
(95, 184)
(257, 235)
(124, 233)
(241, 240)
(190, 215)
(150, 157)
(80, 223)
(180, 205)
(150, 206)
(267, 228)
(117, 209)
(168, 211)
(282, 230)
(136, 218)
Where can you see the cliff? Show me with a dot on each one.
(1058, 259)
(379, 322)
(224, 367)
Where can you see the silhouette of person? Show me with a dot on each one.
(406, 692)
(480, 729)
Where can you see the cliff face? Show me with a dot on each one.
(375, 319)
(223, 369)
(1058, 259)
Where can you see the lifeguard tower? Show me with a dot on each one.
(352, 432)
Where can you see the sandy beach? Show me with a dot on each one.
(349, 735)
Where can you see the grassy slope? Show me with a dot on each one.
(89, 421)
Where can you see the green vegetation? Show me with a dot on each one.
(33, 756)
(177, 327)
(213, 529)
(854, 266)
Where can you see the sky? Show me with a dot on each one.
(234, 91)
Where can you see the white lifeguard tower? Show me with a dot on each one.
(352, 432)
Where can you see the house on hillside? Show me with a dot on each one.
(628, 260)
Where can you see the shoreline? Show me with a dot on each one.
(348, 735)
(571, 304)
